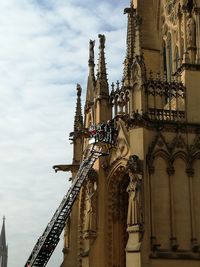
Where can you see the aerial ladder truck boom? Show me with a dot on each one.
(100, 136)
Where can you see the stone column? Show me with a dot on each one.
(197, 14)
(179, 38)
(191, 38)
(173, 240)
(185, 52)
(153, 236)
(194, 243)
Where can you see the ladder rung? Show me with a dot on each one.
(46, 244)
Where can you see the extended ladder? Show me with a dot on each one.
(46, 244)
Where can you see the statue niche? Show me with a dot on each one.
(134, 189)
(191, 32)
(135, 211)
(90, 222)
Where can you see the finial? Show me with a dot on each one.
(102, 40)
(91, 77)
(91, 52)
(130, 42)
(91, 60)
(102, 64)
(4, 218)
(117, 83)
(79, 89)
(113, 86)
(78, 119)
(102, 87)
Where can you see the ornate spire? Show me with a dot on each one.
(102, 74)
(91, 77)
(78, 119)
(3, 246)
(138, 22)
(91, 59)
(130, 42)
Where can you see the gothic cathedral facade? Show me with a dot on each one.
(140, 206)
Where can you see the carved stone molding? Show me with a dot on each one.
(170, 171)
(170, 149)
(90, 220)
(122, 148)
(88, 214)
(134, 165)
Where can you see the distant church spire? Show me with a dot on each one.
(130, 42)
(102, 82)
(78, 119)
(3, 246)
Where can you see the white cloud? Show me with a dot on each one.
(43, 54)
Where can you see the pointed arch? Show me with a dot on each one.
(116, 219)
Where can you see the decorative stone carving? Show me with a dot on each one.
(195, 147)
(134, 206)
(191, 34)
(178, 144)
(91, 50)
(134, 189)
(90, 225)
(67, 237)
(137, 76)
(122, 149)
(102, 40)
(188, 150)
(134, 164)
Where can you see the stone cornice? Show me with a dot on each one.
(188, 66)
(137, 120)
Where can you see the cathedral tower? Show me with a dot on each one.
(139, 206)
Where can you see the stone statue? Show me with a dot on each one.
(191, 35)
(134, 207)
(134, 164)
(90, 220)
(134, 189)
(91, 50)
(102, 40)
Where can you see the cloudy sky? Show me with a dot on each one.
(43, 54)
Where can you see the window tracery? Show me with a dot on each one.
(180, 22)
(179, 171)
